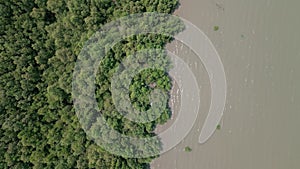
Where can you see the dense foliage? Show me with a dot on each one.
(40, 40)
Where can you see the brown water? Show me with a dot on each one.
(259, 44)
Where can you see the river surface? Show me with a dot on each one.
(259, 45)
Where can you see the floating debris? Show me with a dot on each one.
(187, 149)
(216, 28)
(218, 127)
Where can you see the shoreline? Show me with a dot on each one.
(174, 104)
